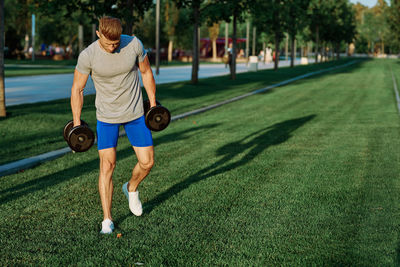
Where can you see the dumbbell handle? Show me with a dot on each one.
(147, 106)
(77, 124)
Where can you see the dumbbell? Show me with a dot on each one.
(79, 138)
(157, 118)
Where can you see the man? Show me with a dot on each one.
(113, 62)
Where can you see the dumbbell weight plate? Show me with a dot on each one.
(69, 126)
(67, 129)
(80, 138)
(157, 118)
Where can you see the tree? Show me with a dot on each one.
(184, 40)
(2, 87)
(367, 29)
(323, 15)
(171, 20)
(393, 20)
(380, 11)
(296, 21)
(195, 7)
(129, 11)
(362, 43)
(317, 14)
(378, 25)
(224, 10)
(82, 16)
(341, 25)
(273, 16)
(17, 27)
(214, 32)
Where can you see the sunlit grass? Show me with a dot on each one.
(32, 129)
(307, 174)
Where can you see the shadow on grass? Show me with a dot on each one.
(79, 170)
(254, 144)
(58, 107)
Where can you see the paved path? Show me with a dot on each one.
(31, 89)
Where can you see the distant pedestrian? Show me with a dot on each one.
(261, 55)
(43, 49)
(230, 57)
(268, 55)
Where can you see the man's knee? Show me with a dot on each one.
(147, 164)
(107, 160)
(107, 165)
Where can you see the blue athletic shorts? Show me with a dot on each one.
(138, 133)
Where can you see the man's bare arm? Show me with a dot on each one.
(148, 80)
(78, 85)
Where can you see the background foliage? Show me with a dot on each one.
(373, 30)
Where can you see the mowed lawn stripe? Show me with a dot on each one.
(307, 174)
(33, 129)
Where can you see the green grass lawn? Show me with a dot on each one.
(40, 61)
(33, 129)
(306, 174)
(27, 67)
(14, 71)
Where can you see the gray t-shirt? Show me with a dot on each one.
(116, 79)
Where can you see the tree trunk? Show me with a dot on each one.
(233, 68)
(170, 49)
(214, 49)
(264, 52)
(80, 37)
(226, 37)
(157, 37)
(369, 47)
(254, 42)
(247, 40)
(292, 50)
(129, 19)
(195, 58)
(2, 87)
(316, 43)
(286, 46)
(338, 50)
(94, 36)
(276, 61)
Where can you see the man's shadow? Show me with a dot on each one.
(44, 182)
(254, 143)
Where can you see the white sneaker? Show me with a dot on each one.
(107, 227)
(134, 202)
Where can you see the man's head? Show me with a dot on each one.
(109, 33)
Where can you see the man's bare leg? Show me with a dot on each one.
(145, 156)
(107, 166)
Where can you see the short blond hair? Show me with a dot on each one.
(110, 27)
